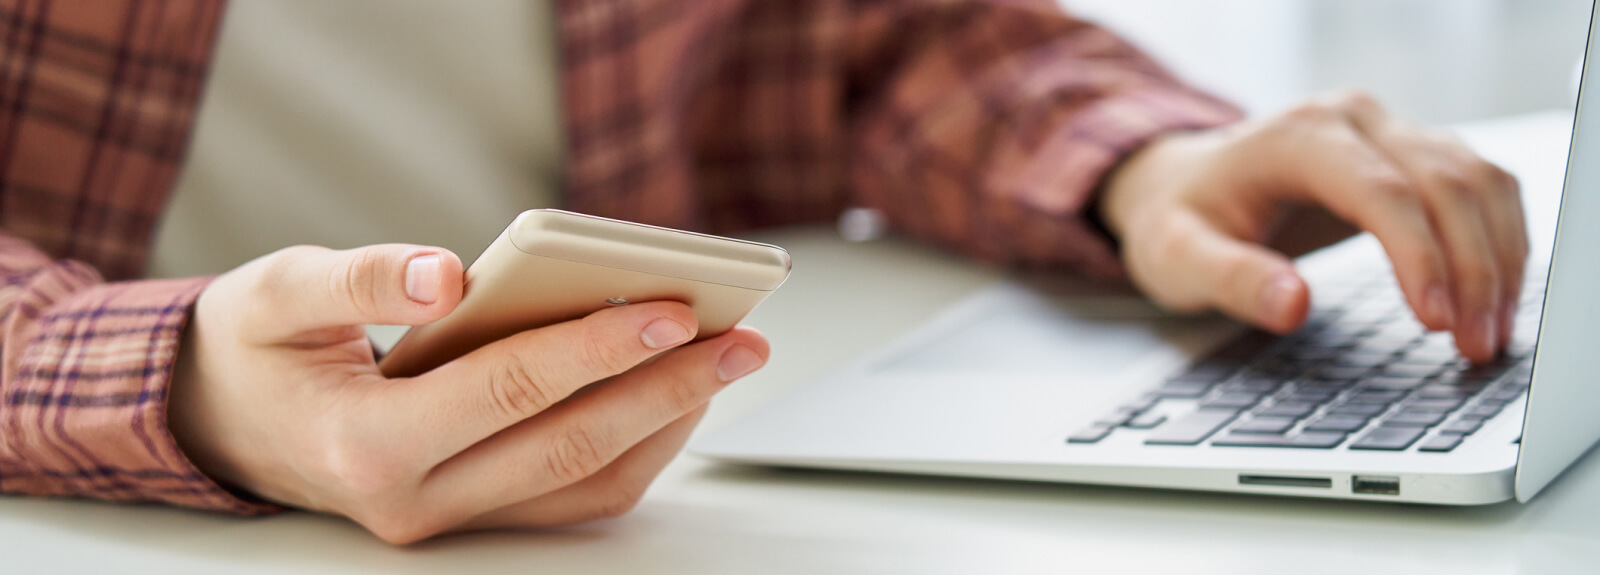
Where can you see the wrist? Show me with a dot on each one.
(1145, 178)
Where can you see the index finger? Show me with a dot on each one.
(473, 397)
(1477, 208)
(1338, 168)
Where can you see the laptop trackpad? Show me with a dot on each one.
(1016, 362)
(1019, 331)
(1005, 371)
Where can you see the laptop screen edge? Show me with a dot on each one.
(1555, 432)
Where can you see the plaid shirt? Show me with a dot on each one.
(984, 126)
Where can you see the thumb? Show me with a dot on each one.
(1247, 281)
(305, 288)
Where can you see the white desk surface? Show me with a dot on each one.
(701, 517)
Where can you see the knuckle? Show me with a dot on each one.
(575, 455)
(1312, 112)
(1503, 179)
(272, 270)
(1390, 185)
(1359, 101)
(363, 474)
(619, 502)
(1163, 250)
(515, 392)
(353, 282)
(285, 257)
(1499, 180)
(1419, 267)
(377, 489)
(1244, 282)
(399, 527)
(601, 352)
(683, 395)
(1453, 185)
(1166, 246)
(1477, 278)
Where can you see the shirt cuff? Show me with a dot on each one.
(85, 395)
(1058, 179)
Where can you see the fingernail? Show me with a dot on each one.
(1277, 296)
(1491, 332)
(1508, 320)
(422, 279)
(1439, 307)
(663, 333)
(737, 362)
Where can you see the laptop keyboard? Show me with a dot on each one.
(1362, 373)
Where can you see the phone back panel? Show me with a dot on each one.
(509, 290)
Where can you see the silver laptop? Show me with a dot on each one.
(1359, 404)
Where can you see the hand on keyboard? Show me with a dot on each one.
(1209, 219)
(1360, 373)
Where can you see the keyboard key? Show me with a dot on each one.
(1368, 360)
(1142, 404)
(1462, 426)
(1206, 373)
(1254, 385)
(1315, 353)
(1414, 419)
(1311, 395)
(1394, 382)
(1233, 400)
(1263, 425)
(1481, 411)
(1340, 423)
(1290, 409)
(1359, 409)
(1191, 429)
(1310, 440)
(1371, 311)
(1389, 438)
(1274, 369)
(1376, 397)
(1455, 378)
(1441, 443)
(1493, 402)
(1114, 419)
(1183, 390)
(1091, 434)
(1386, 340)
(1436, 345)
(1441, 405)
(1401, 331)
(1431, 352)
(1443, 391)
(1342, 373)
(1146, 421)
(1504, 394)
(1387, 349)
(1244, 348)
(1487, 372)
(1339, 332)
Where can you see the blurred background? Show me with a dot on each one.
(1437, 61)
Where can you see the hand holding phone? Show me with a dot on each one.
(551, 266)
(276, 393)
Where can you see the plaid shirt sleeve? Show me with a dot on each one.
(984, 126)
(96, 101)
(988, 126)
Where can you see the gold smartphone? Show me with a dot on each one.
(551, 266)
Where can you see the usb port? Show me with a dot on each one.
(1375, 484)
